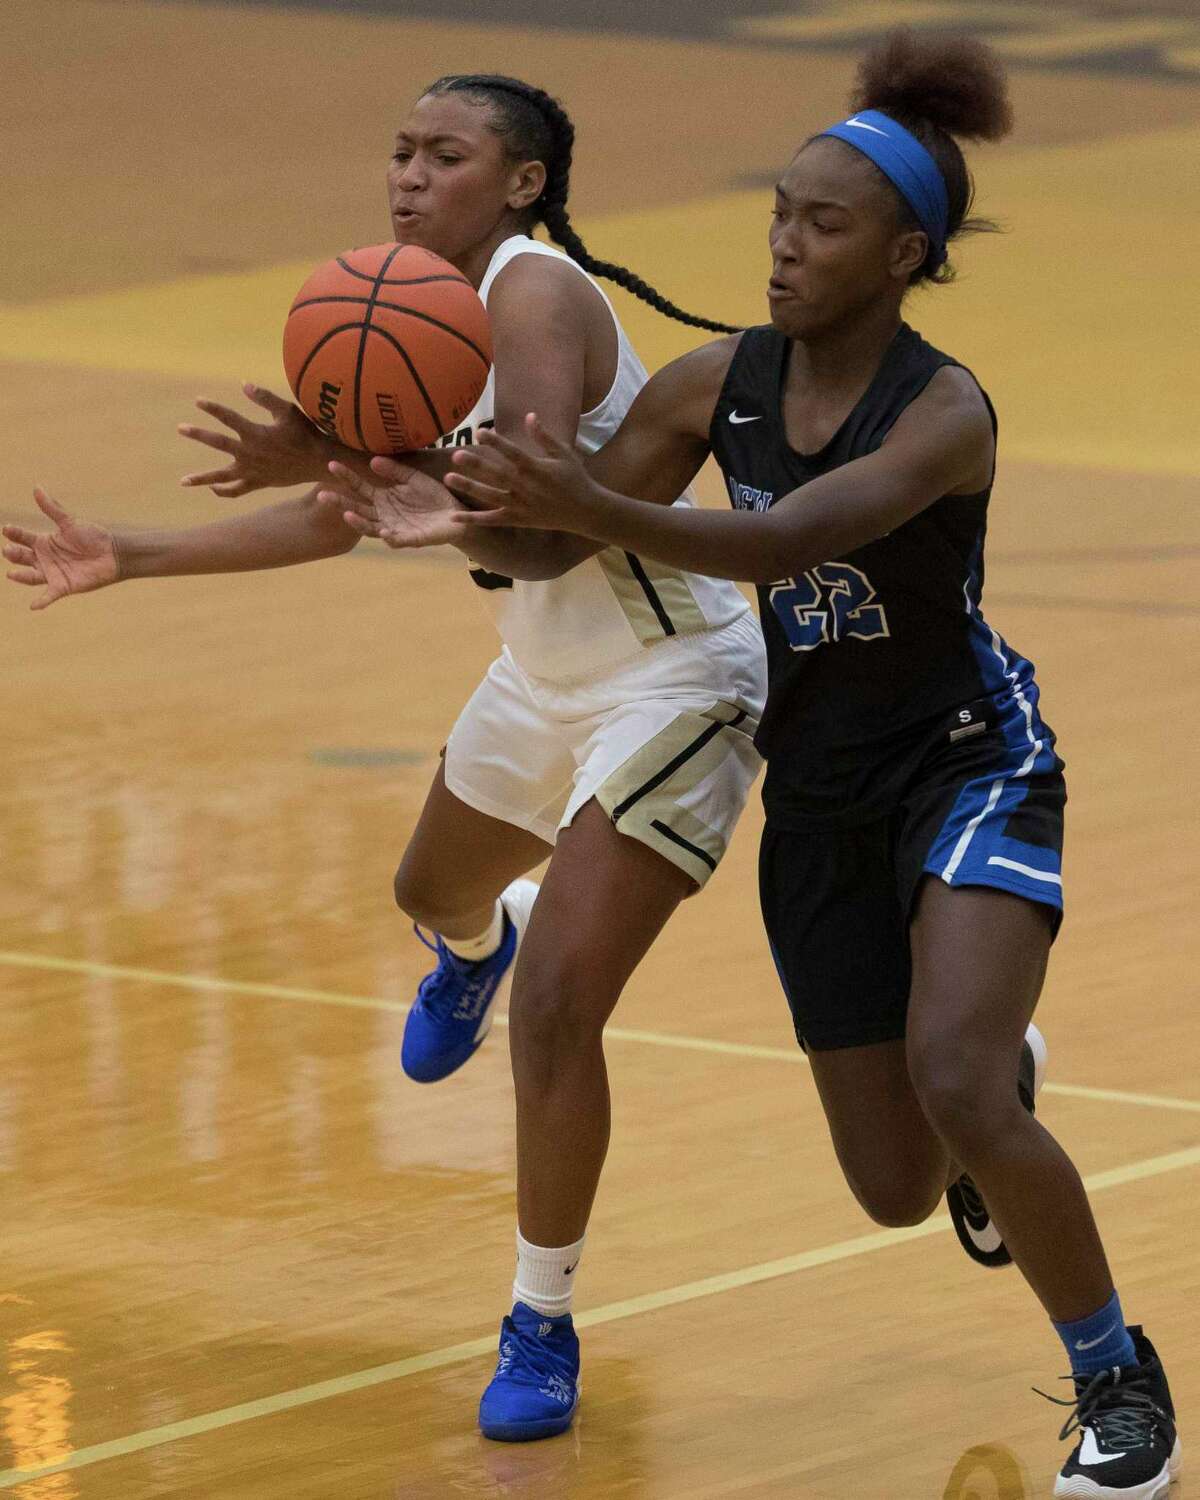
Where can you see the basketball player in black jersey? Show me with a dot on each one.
(910, 865)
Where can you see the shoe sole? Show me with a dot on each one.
(528, 1432)
(1080, 1487)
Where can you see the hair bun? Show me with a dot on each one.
(955, 83)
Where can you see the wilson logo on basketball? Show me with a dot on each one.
(327, 406)
(393, 423)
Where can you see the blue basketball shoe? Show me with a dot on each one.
(455, 1003)
(535, 1390)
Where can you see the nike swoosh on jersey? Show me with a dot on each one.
(737, 421)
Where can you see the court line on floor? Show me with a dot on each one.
(1181, 611)
(612, 1312)
(792, 1055)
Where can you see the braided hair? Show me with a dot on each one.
(535, 127)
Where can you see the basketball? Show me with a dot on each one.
(387, 348)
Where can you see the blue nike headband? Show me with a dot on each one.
(905, 162)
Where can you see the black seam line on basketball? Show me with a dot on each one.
(373, 302)
(437, 323)
(651, 593)
(412, 370)
(678, 838)
(673, 765)
(362, 346)
(398, 280)
(317, 347)
(345, 297)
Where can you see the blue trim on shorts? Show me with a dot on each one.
(971, 847)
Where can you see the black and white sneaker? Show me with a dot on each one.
(1128, 1447)
(978, 1236)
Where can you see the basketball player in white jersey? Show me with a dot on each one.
(614, 732)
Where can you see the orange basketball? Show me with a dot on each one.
(388, 347)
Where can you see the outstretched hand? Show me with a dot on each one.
(74, 558)
(546, 488)
(287, 450)
(404, 508)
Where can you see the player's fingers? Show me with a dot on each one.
(225, 414)
(490, 438)
(469, 518)
(360, 523)
(400, 540)
(212, 476)
(49, 506)
(30, 576)
(231, 489)
(349, 505)
(20, 534)
(491, 468)
(360, 507)
(334, 500)
(474, 489)
(19, 553)
(48, 598)
(218, 440)
(364, 505)
(349, 480)
(391, 469)
(268, 400)
(546, 441)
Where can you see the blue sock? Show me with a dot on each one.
(1099, 1342)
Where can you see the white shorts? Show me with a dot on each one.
(664, 743)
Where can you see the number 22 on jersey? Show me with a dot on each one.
(829, 603)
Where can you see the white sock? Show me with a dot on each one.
(482, 946)
(546, 1278)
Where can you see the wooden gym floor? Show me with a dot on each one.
(240, 1255)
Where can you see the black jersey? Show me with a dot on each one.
(872, 653)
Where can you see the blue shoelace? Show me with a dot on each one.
(529, 1361)
(444, 1001)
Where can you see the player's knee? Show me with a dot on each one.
(895, 1199)
(965, 1101)
(558, 1009)
(420, 899)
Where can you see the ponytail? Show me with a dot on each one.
(535, 127)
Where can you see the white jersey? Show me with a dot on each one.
(612, 605)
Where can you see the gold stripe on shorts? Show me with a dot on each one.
(643, 796)
(654, 598)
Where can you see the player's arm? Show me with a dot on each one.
(655, 453)
(77, 557)
(286, 450)
(663, 442)
(941, 445)
(539, 314)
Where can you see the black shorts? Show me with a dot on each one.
(837, 903)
